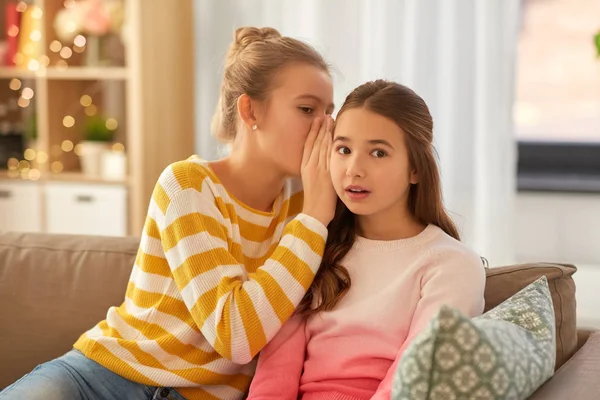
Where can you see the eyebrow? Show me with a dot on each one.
(317, 99)
(373, 141)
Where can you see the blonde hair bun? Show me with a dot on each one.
(245, 36)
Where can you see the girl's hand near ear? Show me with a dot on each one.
(319, 195)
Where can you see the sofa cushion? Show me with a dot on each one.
(503, 282)
(507, 353)
(52, 289)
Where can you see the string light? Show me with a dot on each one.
(29, 154)
(61, 64)
(118, 147)
(79, 50)
(27, 93)
(15, 84)
(67, 146)
(13, 174)
(42, 157)
(68, 121)
(44, 60)
(34, 174)
(13, 31)
(79, 41)
(79, 150)
(85, 100)
(35, 35)
(33, 65)
(66, 52)
(91, 110)
(23, 102)
(56, 167)
(37, 13)
(55, 46)
(21, 6)
(111, 124)
(13, 164)
(69, 3)
(24, 165)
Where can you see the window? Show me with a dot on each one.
(557, 109)
(558, 71)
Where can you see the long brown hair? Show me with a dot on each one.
(408, 110)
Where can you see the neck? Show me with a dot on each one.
(394, 224)
(249, 178)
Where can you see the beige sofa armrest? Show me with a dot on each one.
(578, 378)
(583, 334)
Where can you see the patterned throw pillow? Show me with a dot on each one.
(507, 353)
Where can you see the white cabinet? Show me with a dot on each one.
(87, 209)
(63, 207)
(20, 206)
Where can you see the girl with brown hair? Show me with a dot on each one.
(393, 257)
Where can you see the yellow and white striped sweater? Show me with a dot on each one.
(213, 282)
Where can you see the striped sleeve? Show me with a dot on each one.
(237, 312)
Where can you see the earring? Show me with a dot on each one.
(254, 127)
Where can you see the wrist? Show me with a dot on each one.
(317, 215)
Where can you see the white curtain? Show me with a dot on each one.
(459, 55)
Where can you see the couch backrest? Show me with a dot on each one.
(52, 289)
(55, 287)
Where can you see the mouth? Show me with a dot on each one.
(357, 192)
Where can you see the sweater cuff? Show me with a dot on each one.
(313, 224)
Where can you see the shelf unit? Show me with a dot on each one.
(69, 73)
(150, 95)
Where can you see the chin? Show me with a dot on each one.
(359, 209)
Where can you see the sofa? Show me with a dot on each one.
(55, 287)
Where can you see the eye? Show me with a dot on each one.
(379, 153)
(343, 150)
(306, 110)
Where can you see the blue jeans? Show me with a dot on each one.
(74, 376)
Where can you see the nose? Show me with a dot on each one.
(355, 168)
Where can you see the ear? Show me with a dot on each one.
(246, 110)
(414, 177)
